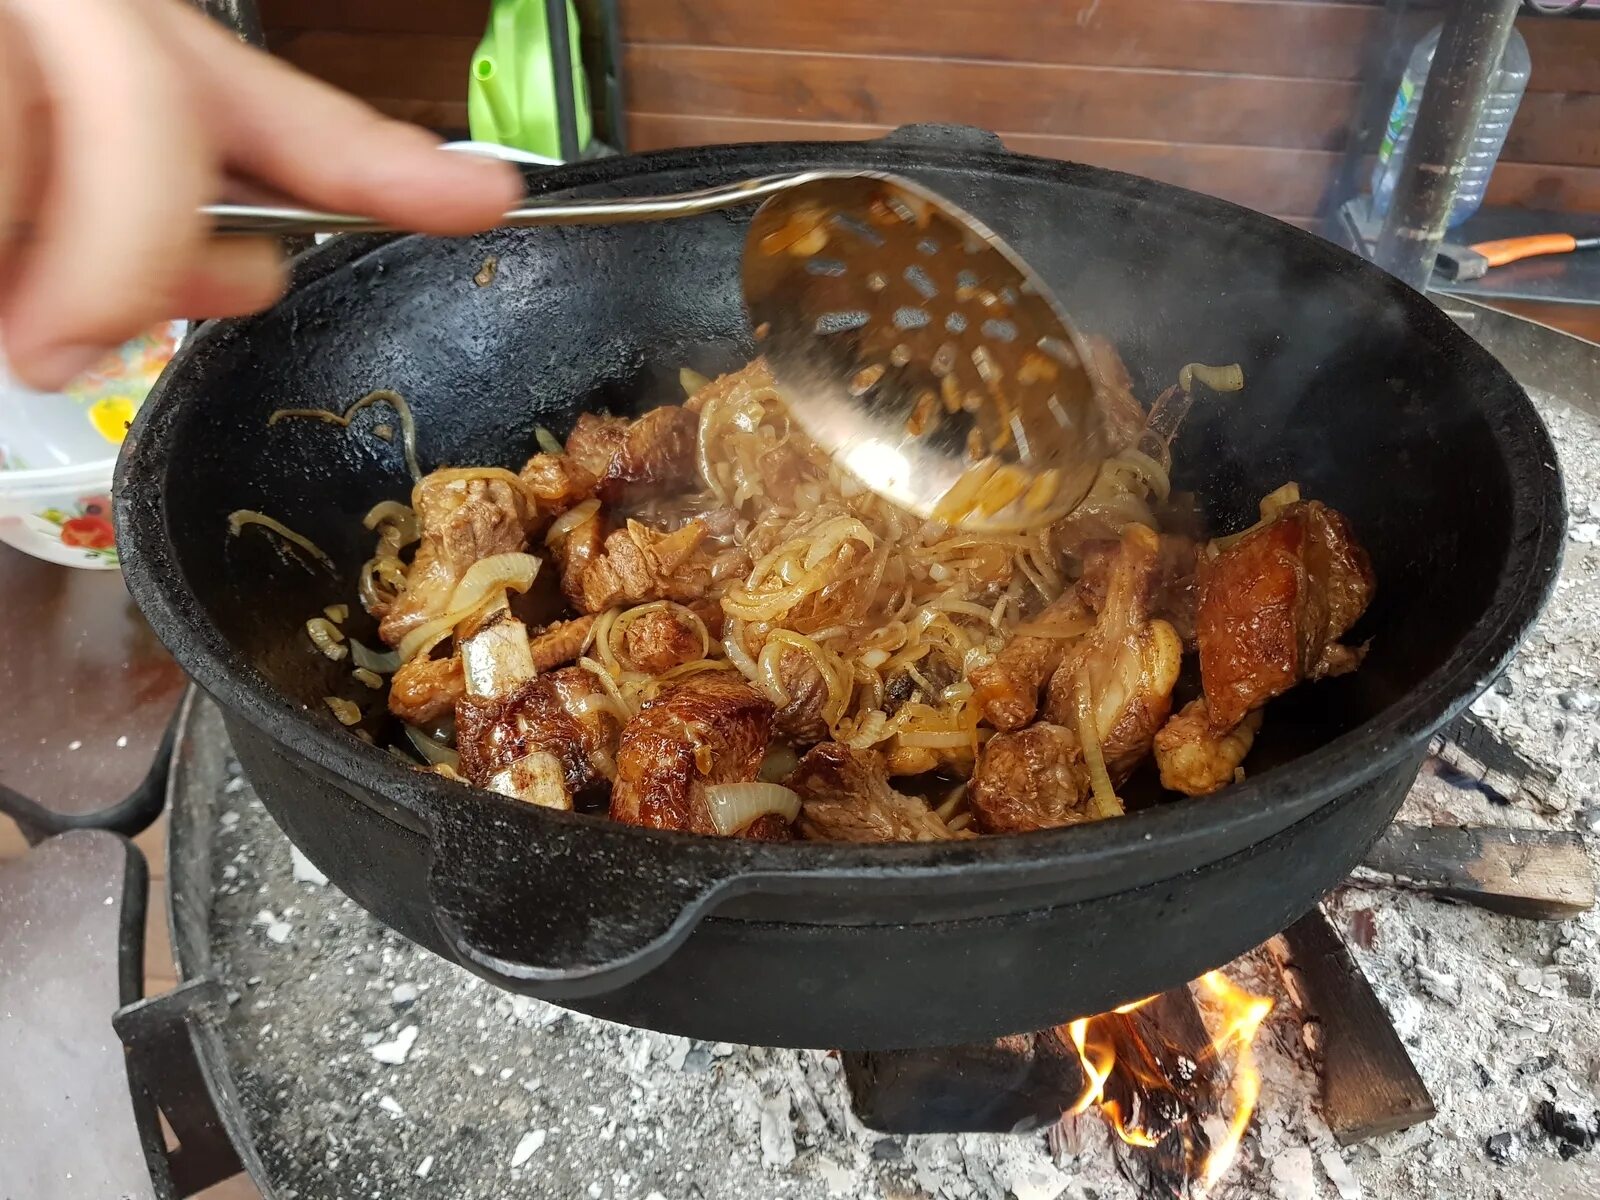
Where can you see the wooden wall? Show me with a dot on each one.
(1246, 99)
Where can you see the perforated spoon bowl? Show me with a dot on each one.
(908, 339)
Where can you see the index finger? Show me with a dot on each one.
(302, 137)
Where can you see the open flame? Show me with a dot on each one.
(1148, 1121)
(1242, 1014)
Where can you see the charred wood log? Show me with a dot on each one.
(1369, 1084)
(1541, 874)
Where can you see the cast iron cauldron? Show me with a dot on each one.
(1357, 387)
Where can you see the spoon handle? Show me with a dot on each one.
(244, 219)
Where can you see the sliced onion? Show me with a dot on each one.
(1219, 379)
(936, 741)
(585, 705)
(548, 442)
(733, 647)
(734, 806)
(780, 762)
(1054, 629)
(485, 579)
(833, 533)
(965, 608)
(326, 637)
(370, 660)
(241, 517)
(408, 427)
(337, 613)
(347, 711)
(570, 520)
(1105, 802)
(436, 753)
(691, 381)
(391, 512)
(370, 678)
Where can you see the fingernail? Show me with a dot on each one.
(53, 367)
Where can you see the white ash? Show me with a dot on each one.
(396, 1052)
(1499, 1014)
(305, 871)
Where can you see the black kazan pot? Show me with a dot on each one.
(1357, 387)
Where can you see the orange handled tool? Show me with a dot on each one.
(1472, 262)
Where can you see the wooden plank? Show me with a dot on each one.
(1553, 127)
(152, 843)
(158, 962)
(1265, 178)
(1580, 320)
(1280, 181)
(467, 18)
(1165, 106)
(1484, 760)
(1565, 53)
(1302, 40)
(1539, 874)
(410, 66)
(1369, 1084)
(12, 843)
(438, 115)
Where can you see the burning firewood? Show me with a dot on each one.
(1152, 1069)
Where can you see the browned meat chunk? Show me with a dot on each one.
(557, 482)
(1008, 688)
(462, 520)
(1124, 670)
(1195, 759)
(1124, 414)
(634, 460)
(1178, 591)
(752, 377)
(1172, 584)
(802, 720)
(1273, 606)
(559, 644)
(845, 797)
(1033, 779)
(547, 720)
(575, 550)
(710, 729)
(660, 640)
(425, 689)
(783, 469)
(639, 565)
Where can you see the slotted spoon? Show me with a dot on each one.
(908, 339)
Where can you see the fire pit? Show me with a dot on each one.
(365, 1066)
(361, 1061)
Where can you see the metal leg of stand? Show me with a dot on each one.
(1464, 65)
(561, 71)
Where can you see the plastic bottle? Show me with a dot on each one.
(1505, 94)
(511, 94)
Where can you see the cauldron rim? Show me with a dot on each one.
(1287, 792)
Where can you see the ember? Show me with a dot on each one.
(1154, 1091)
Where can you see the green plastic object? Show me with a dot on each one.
(511, 96)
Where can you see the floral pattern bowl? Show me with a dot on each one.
(58, 452)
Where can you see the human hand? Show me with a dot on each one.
(119, 118)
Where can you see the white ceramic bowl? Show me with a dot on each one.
(58, 451)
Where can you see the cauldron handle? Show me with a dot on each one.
(558, 906)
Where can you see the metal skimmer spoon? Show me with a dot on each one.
(907, 338)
